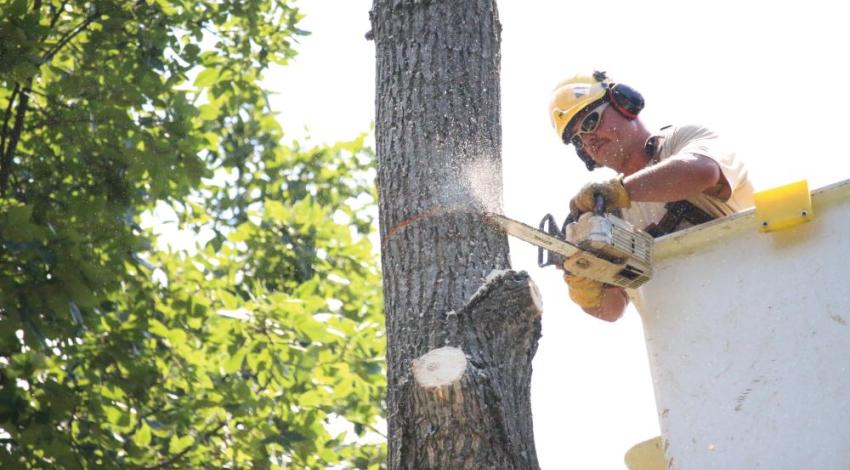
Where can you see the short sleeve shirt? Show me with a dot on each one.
(697, 140)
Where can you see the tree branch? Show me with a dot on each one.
(70, 35)
(57, 13)
(4, 131)
(9, 151)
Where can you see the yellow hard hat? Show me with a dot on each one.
(574, 95)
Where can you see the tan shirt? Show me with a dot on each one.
(700, 141)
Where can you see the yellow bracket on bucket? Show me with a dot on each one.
(784, 206)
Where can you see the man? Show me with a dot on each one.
(669, 180)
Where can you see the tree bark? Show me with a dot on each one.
(460, 343)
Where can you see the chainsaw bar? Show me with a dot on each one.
(576, 260)
(534, 236)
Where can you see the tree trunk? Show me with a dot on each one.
(462, 329)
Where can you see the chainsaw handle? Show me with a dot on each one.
(548, 225)
(570, 219)
(598, 204)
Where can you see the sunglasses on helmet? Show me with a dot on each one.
(589, 123)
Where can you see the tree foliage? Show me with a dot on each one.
(248, 351)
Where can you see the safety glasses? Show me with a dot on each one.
(588, 124)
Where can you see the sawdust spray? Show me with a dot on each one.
(473, 185)
(483, 179)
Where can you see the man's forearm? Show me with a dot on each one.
(673, 179)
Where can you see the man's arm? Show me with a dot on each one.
(676, 178)
(679, 177)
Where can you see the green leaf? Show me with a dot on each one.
(118, 418)
(243, 233)
(276, 210)
(310, 399)
(179, 444)
(167, 7)
(314, 330)
(112, 392)
(156, 327)
(230, 301)
(234, 362)
(209, 112)
(206, 77)
(212, 138)
(142, 437)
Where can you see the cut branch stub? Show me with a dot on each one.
(439, 367)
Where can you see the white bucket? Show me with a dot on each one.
(748, 335)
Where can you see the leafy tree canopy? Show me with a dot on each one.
(245, 352)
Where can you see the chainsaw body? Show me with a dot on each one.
(612, 238)
(599, 246)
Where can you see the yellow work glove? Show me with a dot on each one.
(585, 292)
(613, 191)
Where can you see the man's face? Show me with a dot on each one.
(607, 142)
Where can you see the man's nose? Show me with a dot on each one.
(590, 139)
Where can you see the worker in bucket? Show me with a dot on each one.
(667, 180)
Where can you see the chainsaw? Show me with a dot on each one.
(597, 245)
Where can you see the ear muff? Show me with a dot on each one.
(626, 100)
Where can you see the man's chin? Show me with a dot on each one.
(607, 160)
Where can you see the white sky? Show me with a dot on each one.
(771, 75)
